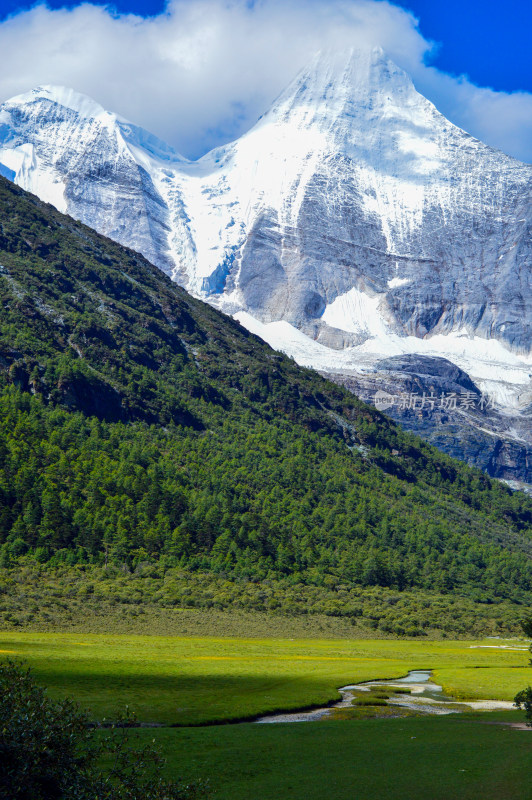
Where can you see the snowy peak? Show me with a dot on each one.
(352, 89)
(357, 213)
(344, 82)
(90, 163)
(51, 105)
(358, 104)
(81, 104)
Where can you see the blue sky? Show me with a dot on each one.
(489, 40)
(141, 7)
(199, 72)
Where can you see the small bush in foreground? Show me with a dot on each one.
(48, 751)
(524, 700)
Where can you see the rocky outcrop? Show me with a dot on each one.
(438, 401)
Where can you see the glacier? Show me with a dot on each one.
(351, 224)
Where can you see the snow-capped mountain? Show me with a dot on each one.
(352, 222)
(88, 163)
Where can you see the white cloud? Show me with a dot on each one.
(202, 73)
(502, 119)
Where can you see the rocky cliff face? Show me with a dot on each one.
(438, 401)
(351, 224)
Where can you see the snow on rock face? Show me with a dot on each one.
(380, 193)
(352, 216)
(89, 163)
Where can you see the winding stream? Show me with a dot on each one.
(425, 697)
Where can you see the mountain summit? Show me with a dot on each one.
(363, 209)
(344, 93)
(352, 222)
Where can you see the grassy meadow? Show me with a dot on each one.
(423, 758)
(202, 680)
(187, 683)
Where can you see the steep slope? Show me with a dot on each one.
(139, 423)
(352, 223)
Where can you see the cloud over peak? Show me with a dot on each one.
(202, 72)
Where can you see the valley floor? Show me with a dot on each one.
(187, 685)
(403, 759)
(192, 680)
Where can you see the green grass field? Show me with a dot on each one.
(192, 680)
(402, 759)
(195, 680)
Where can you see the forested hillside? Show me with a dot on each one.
(140, 425)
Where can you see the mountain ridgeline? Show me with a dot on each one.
(140, 424)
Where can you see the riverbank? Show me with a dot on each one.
(415, 692)
(206, 680)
